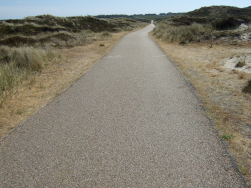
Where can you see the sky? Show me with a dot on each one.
(18, 9)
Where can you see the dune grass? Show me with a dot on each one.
(54, 39)
(20, 63)
(28, 44)
(47, 23)
(187, 29)
(182, 33)
(61, 32)
(210, 30)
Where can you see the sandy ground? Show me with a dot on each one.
(24, 101)
(219, 82)
(232, 63)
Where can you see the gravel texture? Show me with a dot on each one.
(131, 121)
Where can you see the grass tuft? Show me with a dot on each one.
(18, 64)
(227, 136)
(106, 34)
(11, 76)
(241, 63)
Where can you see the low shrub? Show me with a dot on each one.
(241, 63)
(247, 88)
(226, 23)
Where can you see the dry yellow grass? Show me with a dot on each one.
(23, 101)
(220, 90)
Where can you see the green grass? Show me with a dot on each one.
(227, 136)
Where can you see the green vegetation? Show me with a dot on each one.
(247, 88)
(205, 24)
(27, 45)
(140, 17)
(49, 23)
(197, 29)
(221, 11)
(240, 64)
(149, 18)
(216, 24)
(19, 64)
(60, 31)
(227, 136)
(183, 33)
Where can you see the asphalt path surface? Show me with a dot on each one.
(131, 121)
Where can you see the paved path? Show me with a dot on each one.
(131, 121)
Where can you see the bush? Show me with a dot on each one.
(247, 88)
(241, 63)
(226, 23)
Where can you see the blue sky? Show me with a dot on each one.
(16, 9)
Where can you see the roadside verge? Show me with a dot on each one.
(23, 101)
(220, 89)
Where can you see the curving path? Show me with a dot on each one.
(131, 121)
